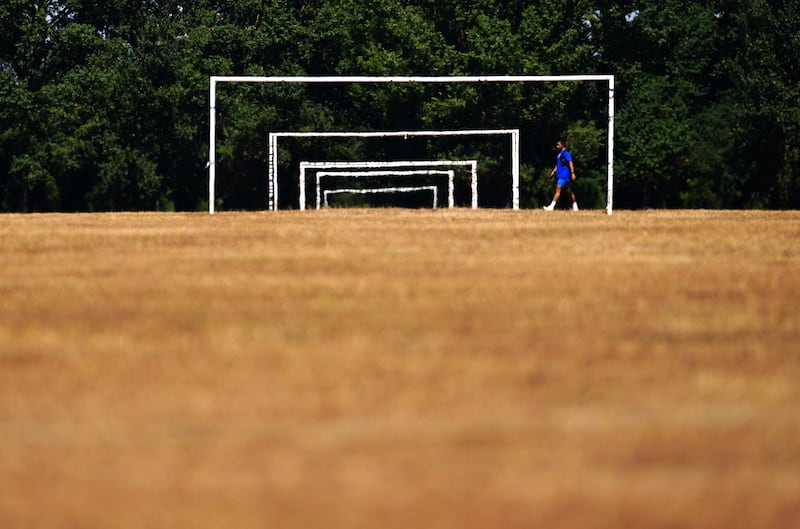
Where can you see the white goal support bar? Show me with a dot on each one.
(450, 174)
(273, 153)
(404, 189)
(472, 164)
(215, 79)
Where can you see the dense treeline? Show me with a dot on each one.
(104, 105)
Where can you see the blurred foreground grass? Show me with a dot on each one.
(400, 368)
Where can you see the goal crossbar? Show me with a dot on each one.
(362, 174)
(215, 79)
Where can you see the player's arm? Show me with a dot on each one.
(571, 170)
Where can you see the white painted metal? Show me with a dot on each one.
(408, 78)
(273, 156)
(404, 189)
(360, 174)
(610, 196)
(212, 148)
(472, 164)
(397, 79)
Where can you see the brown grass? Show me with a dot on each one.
(396, 369)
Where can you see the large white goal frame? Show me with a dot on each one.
(273, 152)
(450, 174)
(214, 80)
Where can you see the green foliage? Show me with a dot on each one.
(586, 142)
(104, 105)
(127, 181)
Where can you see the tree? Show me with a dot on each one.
(103, 105)
(760, 71)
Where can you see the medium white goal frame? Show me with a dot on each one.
(273, 154)
(214, 80)
(472, 164)
(450, 174)
(371, 190)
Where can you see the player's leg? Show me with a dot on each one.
(572, 196)
(557, 194)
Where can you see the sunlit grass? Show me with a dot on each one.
(400, 368)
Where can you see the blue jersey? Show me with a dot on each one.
(562, 165)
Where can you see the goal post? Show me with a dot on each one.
(214, 80)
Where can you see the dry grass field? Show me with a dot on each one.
(354, 369)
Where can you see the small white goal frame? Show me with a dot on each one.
(403, 189)
(450, 174)
(215, 79)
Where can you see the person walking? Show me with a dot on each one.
(564, 171)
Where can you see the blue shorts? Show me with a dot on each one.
(561, 182)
